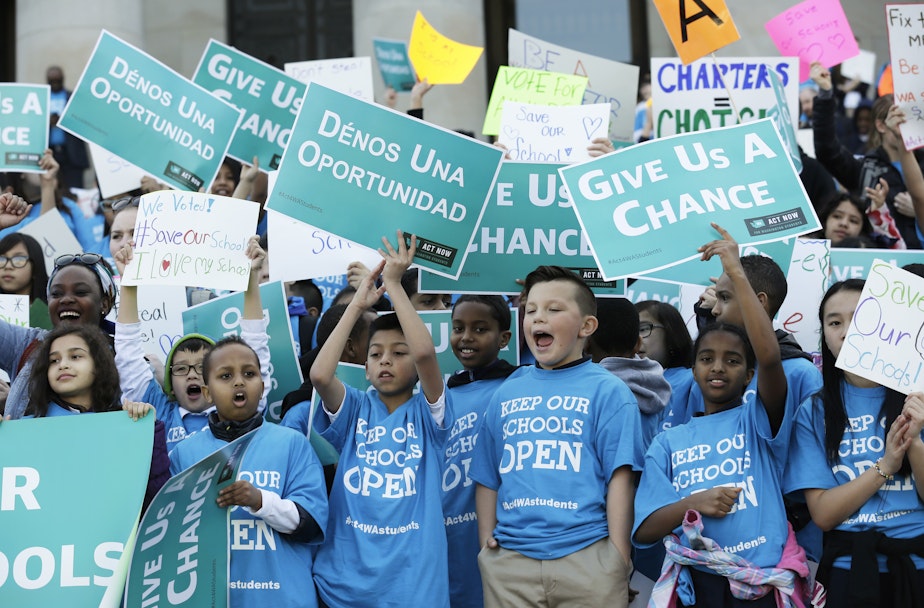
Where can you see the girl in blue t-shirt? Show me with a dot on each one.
(726, 465)
(856, 453)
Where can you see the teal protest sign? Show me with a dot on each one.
(855, 263)
(181, 555)
(649, 206)
(222, 317)
(361, 171)
(394, 64)
(698, 272)
(268, 97)
(68, 517)
(439, 324)
(782, 120)
(142, 111)
(23, 126)
(529, 222)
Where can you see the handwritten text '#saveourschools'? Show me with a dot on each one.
(332, 127)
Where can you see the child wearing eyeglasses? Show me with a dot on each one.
(180, 402)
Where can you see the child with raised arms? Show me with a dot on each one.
(554, 461)
(386, 539)
(720, 475)
(180, 402)
(480, 330)
(278, 502)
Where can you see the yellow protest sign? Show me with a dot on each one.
(437, 58)
(697, 27)
(533, 87)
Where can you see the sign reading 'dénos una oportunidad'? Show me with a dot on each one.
(139, 109)
(268, 98)
(528, 222)
(193, 239)
(23, 126)
(650, 206)
(361, 171)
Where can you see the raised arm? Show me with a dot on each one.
(248, 176)
(911, 170)
(49, 180)
(771, 379)
(418, 338)
(329, 387)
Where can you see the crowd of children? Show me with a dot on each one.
(721, 468)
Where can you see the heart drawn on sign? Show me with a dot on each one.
(811, 53)
(510, 133)
(568, 151)
(165, 264)
(591, 125)
(837, 40)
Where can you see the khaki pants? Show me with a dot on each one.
(597, 575)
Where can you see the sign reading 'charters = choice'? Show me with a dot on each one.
(650, 206)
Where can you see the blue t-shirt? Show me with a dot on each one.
(278, 460)
(178, 426)
(681, 381)
(895, 510)
(732, 448)
(549, 443)
(802, 377)
(469, 403)
(386, 541)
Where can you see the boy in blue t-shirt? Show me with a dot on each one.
(386, 540)
(554, 463)
(480, 329)
(180, 403)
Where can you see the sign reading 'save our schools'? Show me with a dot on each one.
(650, 206)
(361, 172)
(139, 109)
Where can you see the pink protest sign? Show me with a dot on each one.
(814, 30)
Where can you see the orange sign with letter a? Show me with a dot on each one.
(697, 27)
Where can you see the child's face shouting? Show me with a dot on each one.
(476, 337)
(187, 388)
(234, 383)
(554, 327)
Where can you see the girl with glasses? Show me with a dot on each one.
(22, 272)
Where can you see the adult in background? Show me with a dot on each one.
(69, 151)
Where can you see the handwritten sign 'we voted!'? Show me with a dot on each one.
(552, 134)
(187, 238)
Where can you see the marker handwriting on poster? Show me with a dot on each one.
(186, 238)
(557, 134)
(533, 87)
(152, 93)
(334, 128)
(813, 30)
(905, 25)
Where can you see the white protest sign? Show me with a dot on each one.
(349, 75)
(53, 235)
(608, 81)
(319, 253)
(160, 310)
(113, 174)
(885, 340)
(693, 97)
(806, 140)
(551, 134)
(14, 309)
(862, 67)
(905, 41)
(191, 238)
(807, 277)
